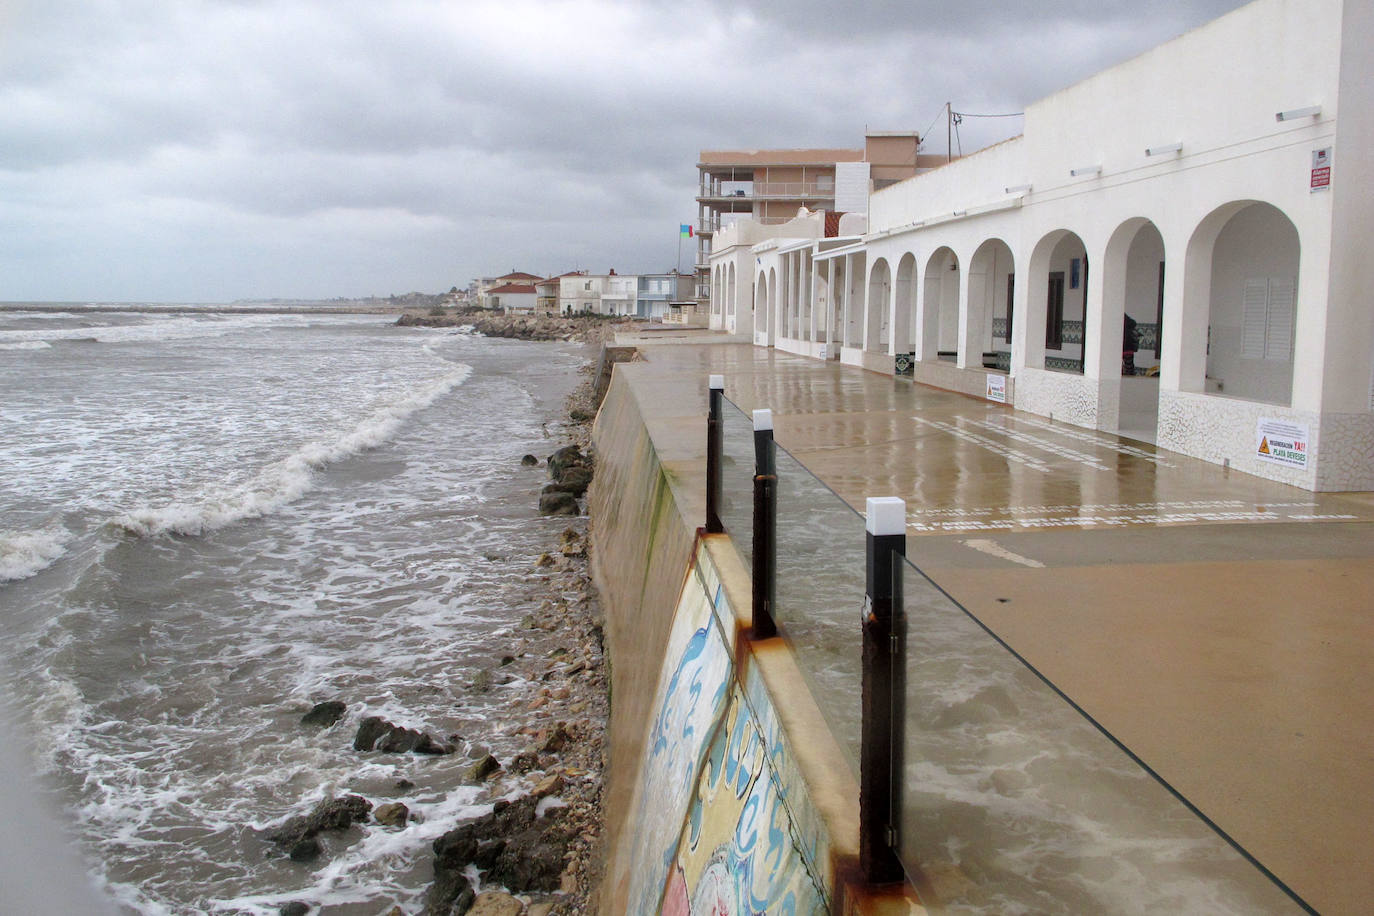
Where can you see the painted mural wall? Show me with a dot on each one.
(722, 824)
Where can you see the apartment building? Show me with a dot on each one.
(770, 186)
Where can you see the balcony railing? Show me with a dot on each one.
(774, 190)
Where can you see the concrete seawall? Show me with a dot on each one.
(725, 790)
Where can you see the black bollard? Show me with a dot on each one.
(765, 526)
(880, 765)
(715, 449)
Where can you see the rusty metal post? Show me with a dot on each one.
(715, 450)
(880, 766)
(765, 526)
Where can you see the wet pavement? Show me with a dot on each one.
(1219, 625)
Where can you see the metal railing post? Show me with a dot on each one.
(715, 449)
(765, 526)
(880, 769)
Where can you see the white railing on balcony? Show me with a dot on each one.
(764, 190)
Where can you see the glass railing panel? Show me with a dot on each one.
(737, 479)
(1013, 801)
(820, 595)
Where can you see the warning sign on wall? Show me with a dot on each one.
(1321, 169)
(997, 388)
(1281, 442)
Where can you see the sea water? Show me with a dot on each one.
(210, 522)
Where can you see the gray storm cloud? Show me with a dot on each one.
(198, 150)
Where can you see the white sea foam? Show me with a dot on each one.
(151, 328)
(285, 481)
(26, 345)
(27, 553)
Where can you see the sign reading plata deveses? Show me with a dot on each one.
(997, 388)
(1282, 442)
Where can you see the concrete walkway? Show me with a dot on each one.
(1220, 625)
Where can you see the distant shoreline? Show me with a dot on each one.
(359, 307)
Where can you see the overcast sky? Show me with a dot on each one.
(212, 150)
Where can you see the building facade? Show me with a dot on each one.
(770, 186)
(1174, 250)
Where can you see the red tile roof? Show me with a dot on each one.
(512, 288)
(519, 275)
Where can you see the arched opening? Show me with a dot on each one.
(991, 285)
(1059, 292)
(1242, 274)
(771, 321)
(1133, 300)
(760, 308)
(837, 304)
(877, 334)
(904, 320)
(730, 295)
(854, 290)
(940, 332)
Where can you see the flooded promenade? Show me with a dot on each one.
(1216, 623)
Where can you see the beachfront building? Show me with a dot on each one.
(1215, 194)
(619, 295)
(770, 187)
(546, 293)
(580, 293)
(485, 286)
(512, 298)
(656, 291)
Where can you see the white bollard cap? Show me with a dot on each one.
(763, 420)
(886, 515)
(717, 383)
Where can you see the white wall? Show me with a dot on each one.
(1215, 91)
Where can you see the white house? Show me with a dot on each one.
(1216, 189)
(512, 298)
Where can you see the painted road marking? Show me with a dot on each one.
(1096, 439)
(994, 549)
(996, 448)
(1053, 448)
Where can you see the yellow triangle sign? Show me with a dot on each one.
(1264, 446)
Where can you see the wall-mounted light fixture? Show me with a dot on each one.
(1295, 114)
(1086, 170)
(1018, 189)
(1162, 150)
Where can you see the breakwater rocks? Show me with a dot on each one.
(570, 473)
(587, 328)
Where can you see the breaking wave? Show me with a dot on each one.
(285, 481)
(27, 553)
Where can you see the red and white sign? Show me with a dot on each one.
(1321, 169)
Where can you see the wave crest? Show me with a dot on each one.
(27, 553)
(285, 481)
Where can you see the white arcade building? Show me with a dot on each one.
(1218, 190)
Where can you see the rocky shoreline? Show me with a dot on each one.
(591, 329)
(538, 852)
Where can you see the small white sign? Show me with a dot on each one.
(820, 352)
(1282, 442)
(997, 388)
(1321, 169)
